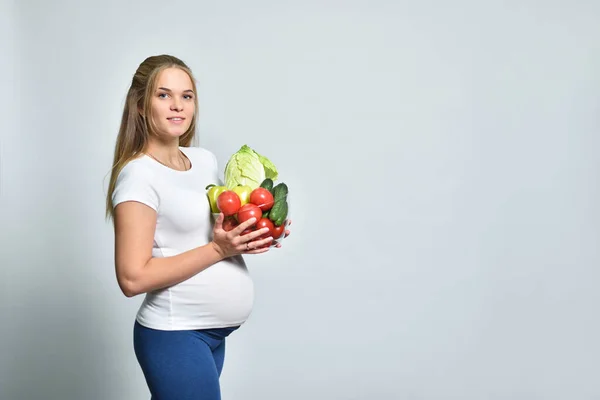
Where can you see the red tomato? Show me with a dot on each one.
(229, 202)
(229, 224)
(278, 231)
(262, 198)
(265, 223)
(248, 211)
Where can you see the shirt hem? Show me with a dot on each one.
(187, 327)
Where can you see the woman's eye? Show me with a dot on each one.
(187, 96)
(162, 95)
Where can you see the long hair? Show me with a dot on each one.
(137, 122)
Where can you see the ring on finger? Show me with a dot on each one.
(247, 246)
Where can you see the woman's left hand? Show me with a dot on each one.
(286, 234)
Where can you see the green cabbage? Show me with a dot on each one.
(247, 167)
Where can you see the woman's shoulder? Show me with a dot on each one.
(139, 167)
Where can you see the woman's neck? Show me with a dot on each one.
(168, 154)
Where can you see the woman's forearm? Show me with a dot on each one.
(161, 272)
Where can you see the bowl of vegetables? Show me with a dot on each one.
(251, 190)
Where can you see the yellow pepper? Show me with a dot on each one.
(213, 193)
(243, 191)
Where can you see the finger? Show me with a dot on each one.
(257, 244)
(278, 245)
(287, 233)
(263, 242)
(258, 251)
(219, 221)
(241, 227)
(249, 237)
(289, 222)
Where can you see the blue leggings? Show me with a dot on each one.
(181, 365)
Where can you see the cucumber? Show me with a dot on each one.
(279, 212)
(280, 191)
(266, 214)
(267, 184)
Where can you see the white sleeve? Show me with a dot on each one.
(135, 184)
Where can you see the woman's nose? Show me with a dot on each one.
(177, 105)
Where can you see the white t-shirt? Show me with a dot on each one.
(220, 296)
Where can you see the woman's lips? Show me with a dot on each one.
(176, 120)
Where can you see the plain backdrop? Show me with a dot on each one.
(444, 187)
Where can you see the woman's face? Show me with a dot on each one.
(173, 103)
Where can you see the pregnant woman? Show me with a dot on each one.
(196, 285)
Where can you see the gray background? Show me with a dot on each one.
(442, 163)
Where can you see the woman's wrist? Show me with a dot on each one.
(218, 250)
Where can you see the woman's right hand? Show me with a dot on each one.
(232, 243)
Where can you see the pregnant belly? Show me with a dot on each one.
(221, 295)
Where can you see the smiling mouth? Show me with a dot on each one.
(176, 119)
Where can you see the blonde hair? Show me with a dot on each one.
(137, 122)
